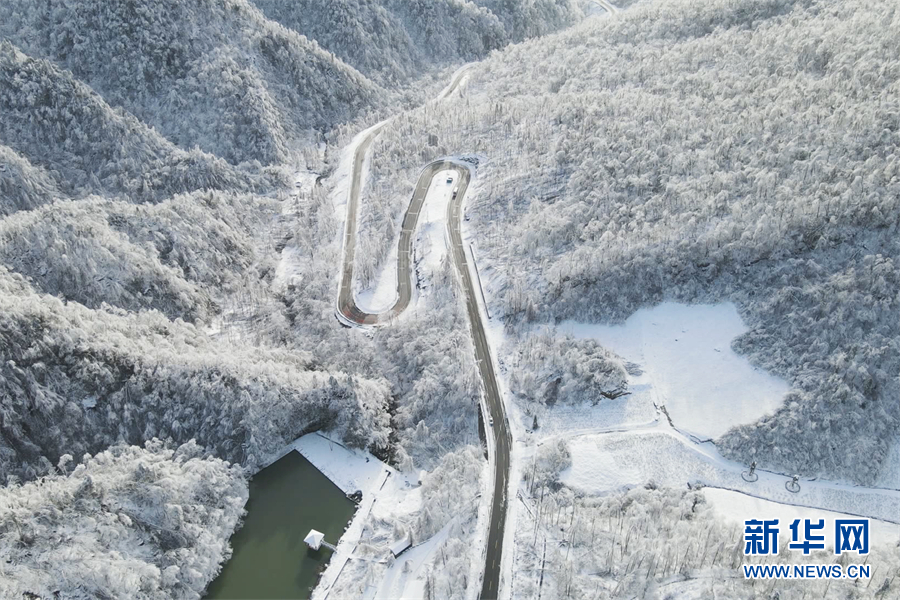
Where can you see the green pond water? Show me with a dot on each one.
(270, 560)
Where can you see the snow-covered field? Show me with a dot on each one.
(686, 354)
(602, 463)
(405, 577)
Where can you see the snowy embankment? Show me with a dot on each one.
(351, 470)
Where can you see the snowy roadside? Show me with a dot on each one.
(494, 331)
(687, 372)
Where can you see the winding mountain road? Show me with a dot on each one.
(347, 310)
(350, 314)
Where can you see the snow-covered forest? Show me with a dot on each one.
(130, 522)
(393, 40)
(145, 161)
(653, 541)
(698, 151)
(167, 288)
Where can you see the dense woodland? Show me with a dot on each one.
(144, 159)
(394, 40)
(130, 522)
(698, 151)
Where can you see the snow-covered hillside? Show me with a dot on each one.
(394, 40)
(214, 75)
(130, 522)
(700, 151)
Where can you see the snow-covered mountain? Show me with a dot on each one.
(699, 151)
(394, 40)
(213, 75)
(165, 278)
(62, 136)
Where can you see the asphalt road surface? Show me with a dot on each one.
(493, 399)
(350, 314)
(347, 310)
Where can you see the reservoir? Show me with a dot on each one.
(270, 560)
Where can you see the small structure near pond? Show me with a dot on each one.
(316, 539)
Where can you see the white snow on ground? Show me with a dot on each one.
(304, 181)
(429, 248)
(288, 270)
(349, 469)
(686, 353)
(736, 507)
(635, 410)
(405, 578)
(383, 294)
(606, 462)
(431, 241)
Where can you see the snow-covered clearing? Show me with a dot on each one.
(289, 269)
(686, 354)
(607, 462)
(431, 241)
(349, 469)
